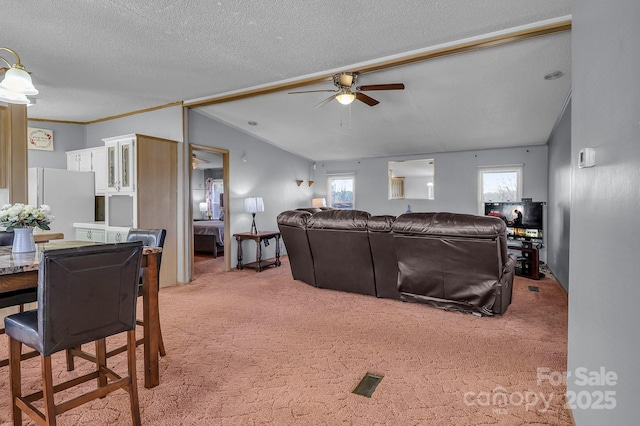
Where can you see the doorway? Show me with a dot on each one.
(209, 196)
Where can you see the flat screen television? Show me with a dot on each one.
(523, 219)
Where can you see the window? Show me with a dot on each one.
(341, 190)
(499, 184)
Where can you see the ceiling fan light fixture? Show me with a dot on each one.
(345, 97)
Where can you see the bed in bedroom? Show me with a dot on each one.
(208, 236)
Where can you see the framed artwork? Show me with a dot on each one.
(40, 139)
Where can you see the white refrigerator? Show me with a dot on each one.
(71, 196)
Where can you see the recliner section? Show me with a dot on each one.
(447, 260)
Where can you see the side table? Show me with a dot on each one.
(259, 237)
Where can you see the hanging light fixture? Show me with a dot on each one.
(345, 97)
(16, 84)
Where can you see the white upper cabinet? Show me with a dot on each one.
(90, 160)
(120, 164)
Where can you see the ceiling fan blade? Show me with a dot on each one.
(392, 86)
(311, 91)
(326, 101)
(366, 99)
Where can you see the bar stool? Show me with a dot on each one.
(85, 294)
(16, 297)
(149, 238)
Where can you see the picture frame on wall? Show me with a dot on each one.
(40, 139)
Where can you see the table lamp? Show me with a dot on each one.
(253, 205)
(319, 202)
(203, 210)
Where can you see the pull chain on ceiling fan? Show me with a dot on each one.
(347, 91)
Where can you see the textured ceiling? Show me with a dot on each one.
(95, 59)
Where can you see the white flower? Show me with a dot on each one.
(25, 216)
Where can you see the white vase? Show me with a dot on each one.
(23, 240)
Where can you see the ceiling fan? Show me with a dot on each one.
(195, 161)
(347, 91)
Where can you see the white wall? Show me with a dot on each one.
(605, 201)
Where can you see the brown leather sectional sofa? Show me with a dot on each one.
(447, 260)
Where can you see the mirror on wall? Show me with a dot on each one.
(412, 179)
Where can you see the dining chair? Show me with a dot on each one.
(15, 298)
(149, 238)
(85, 295)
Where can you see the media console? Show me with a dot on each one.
(529, 262)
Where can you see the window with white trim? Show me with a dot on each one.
(499, 184)
(341, 191)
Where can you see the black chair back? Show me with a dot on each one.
(6, 238)
(86, 293)
(149, 238)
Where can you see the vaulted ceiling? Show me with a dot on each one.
(92, 60)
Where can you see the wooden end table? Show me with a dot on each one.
(258, 237)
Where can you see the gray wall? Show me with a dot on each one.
(558, 206)
(456, 179)
(256, 168)
(66, 137)
(605, 201)
(163, 123)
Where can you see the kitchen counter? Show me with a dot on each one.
(93, 225)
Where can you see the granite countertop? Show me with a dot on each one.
(13, 263)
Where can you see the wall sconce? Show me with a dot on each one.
(310, 182)
(299, 182)
(16, 84)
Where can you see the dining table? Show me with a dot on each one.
(20, 271)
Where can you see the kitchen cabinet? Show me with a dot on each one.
(90, 160)
(142, 189)
(117, 235)
(79, 160)
(121, 159)
(90, 234)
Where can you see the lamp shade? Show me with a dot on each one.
(345, 97)
(319, 202)
(253, 205)
(13, 97)
(203, 207)
(17, 80)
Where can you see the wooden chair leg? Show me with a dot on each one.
(15, 349)
(48, 391)
(133, 384)
(70, 357)
(101, 361)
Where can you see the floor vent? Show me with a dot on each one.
(367, 385)
(534, 289)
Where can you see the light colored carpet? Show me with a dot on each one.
(247, 348)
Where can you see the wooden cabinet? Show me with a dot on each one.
(142, 192)
(90, 160)
(120, 153)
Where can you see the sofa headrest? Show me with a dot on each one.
(309, 209)
(352, 220)
(380, 223)
(452, 224)
(295, 218)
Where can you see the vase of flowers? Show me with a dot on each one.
(21, 219)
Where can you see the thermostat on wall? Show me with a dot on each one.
(587, 157)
